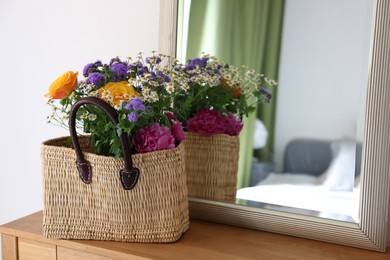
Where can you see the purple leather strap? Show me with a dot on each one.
(129, 175)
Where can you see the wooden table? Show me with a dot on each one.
(22, 239)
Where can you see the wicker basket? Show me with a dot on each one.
(211, 166)
(154, 208)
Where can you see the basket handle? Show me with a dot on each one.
(129, 175)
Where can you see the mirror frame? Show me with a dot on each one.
(371, 232)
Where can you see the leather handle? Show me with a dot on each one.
(129, 175)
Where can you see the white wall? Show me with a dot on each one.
(334, 78)
(39, 40)
(324, 70)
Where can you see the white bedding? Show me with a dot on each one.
(301, 191)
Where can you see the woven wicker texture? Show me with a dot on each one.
(211, 166)
(156, 210)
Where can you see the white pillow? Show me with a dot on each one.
(340, 175)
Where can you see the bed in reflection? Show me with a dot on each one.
(319, 178)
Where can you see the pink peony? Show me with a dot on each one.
(177, 131)
(171, 117)
(207, 122)
(176, 127)
(233, 125)
(153, 138)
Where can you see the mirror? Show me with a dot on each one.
(311, 124)
(371, 231)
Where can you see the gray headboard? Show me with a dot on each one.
(307, 156)
(312, 156)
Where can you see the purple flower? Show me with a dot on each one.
(201, 62)
(157, 59)
(120, 69)
(189, 67)
(153, 75)
(232, 125)
(95, 78)
(160, 73)
(142, 70)
(204, 61)
(98, 63)
(207, 122)
(91, 67)
(115, 60)
(135, 104)
(132, 117)
(153, 138)
(265, 92)
(217, 71)
(167, 79)
(88, 68)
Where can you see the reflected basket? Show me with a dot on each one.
(211, 166)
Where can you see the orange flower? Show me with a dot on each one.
(235, 91)
(63, 86)
(115, 92)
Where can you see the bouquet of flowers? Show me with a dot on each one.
(142, 92)
(136, 117)
(219, 95)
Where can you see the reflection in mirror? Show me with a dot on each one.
(302, 153)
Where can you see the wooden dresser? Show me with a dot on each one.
(22, 239)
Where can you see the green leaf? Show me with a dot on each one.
(119, 131)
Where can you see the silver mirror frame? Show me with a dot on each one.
(371, 232)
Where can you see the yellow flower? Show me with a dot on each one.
(63, 86)
(120, 91)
